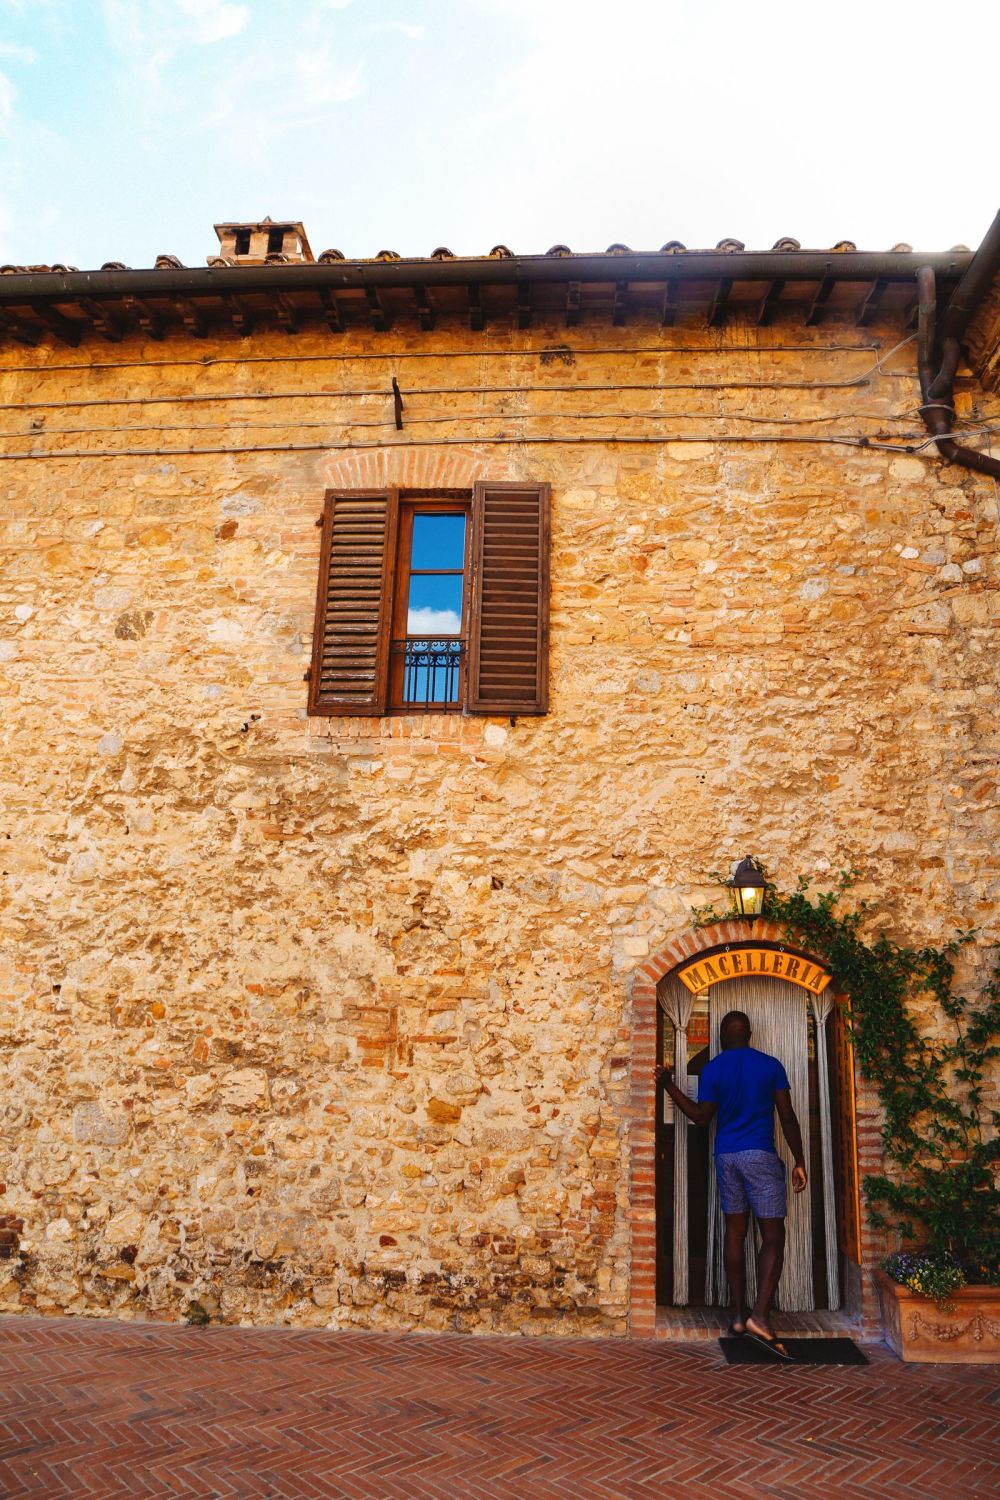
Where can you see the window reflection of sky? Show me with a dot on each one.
(435, 605)
(438, 541)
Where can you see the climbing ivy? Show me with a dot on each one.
(941, 1138)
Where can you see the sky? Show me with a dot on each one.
(129, 127)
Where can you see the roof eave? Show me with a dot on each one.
(658, 267)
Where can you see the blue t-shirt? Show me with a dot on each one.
(742, 1082)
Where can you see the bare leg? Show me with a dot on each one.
(736, 1233)
(770, 1260)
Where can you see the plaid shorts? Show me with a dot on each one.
(752, 1179)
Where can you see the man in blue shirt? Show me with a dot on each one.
(741, 1088)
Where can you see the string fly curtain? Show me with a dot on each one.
(677, 1003)
(779, 1017)
(821, 1008)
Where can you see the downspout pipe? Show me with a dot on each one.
(939, 351)
(975, 283)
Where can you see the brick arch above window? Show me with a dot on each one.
(417, 468)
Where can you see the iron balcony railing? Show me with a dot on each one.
(427, 671)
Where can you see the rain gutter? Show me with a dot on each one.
(345, 275)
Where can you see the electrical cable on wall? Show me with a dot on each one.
(906, 443)
(464, 390)
(556, 351)
(511, 416)
(864, 444)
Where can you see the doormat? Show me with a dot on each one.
(743, 1351)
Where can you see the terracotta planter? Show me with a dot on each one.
(919, 1331)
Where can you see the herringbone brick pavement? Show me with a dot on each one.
(105, 1411)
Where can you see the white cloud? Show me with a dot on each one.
(284, 65)
(164, 26)
(412, 30)
(151, 33)
(213, 20)
(433, 622)
(301, 87)
(8, 93)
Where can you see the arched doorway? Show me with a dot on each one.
(736, 965)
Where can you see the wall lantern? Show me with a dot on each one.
(748, 886)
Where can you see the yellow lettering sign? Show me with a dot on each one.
(697, 976)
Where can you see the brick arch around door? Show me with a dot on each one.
(642, 1124)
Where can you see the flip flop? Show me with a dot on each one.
(773, 1347)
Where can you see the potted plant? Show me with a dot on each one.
(935, 1311)
(927, 1049)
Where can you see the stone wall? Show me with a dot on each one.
(328, 1021)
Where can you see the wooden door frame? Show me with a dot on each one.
(642, 1120)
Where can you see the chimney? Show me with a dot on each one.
(261, 242)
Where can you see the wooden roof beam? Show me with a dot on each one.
(379, 316)
(572, 304)
(425, 310)
(818, 305)
(66, 330)
(240, 315)
(769, 304)
(286, 312)
(869, 308)
(477, 318)
(192, 317)
(523, 304)
(720, 303)
(106, 322)
(149, 320)
(619, 308)
(331, 311)
(668, 307)
(19, 330)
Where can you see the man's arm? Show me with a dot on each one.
(793, 1135)
(698, 1114)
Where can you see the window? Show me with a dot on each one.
(433, 602)
(275, 240)
(242, 242)
(427, 653)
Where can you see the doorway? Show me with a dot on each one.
(807, 1034)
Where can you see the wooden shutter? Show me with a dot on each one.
(350, 661)
(509, 618)
(845, 1130)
